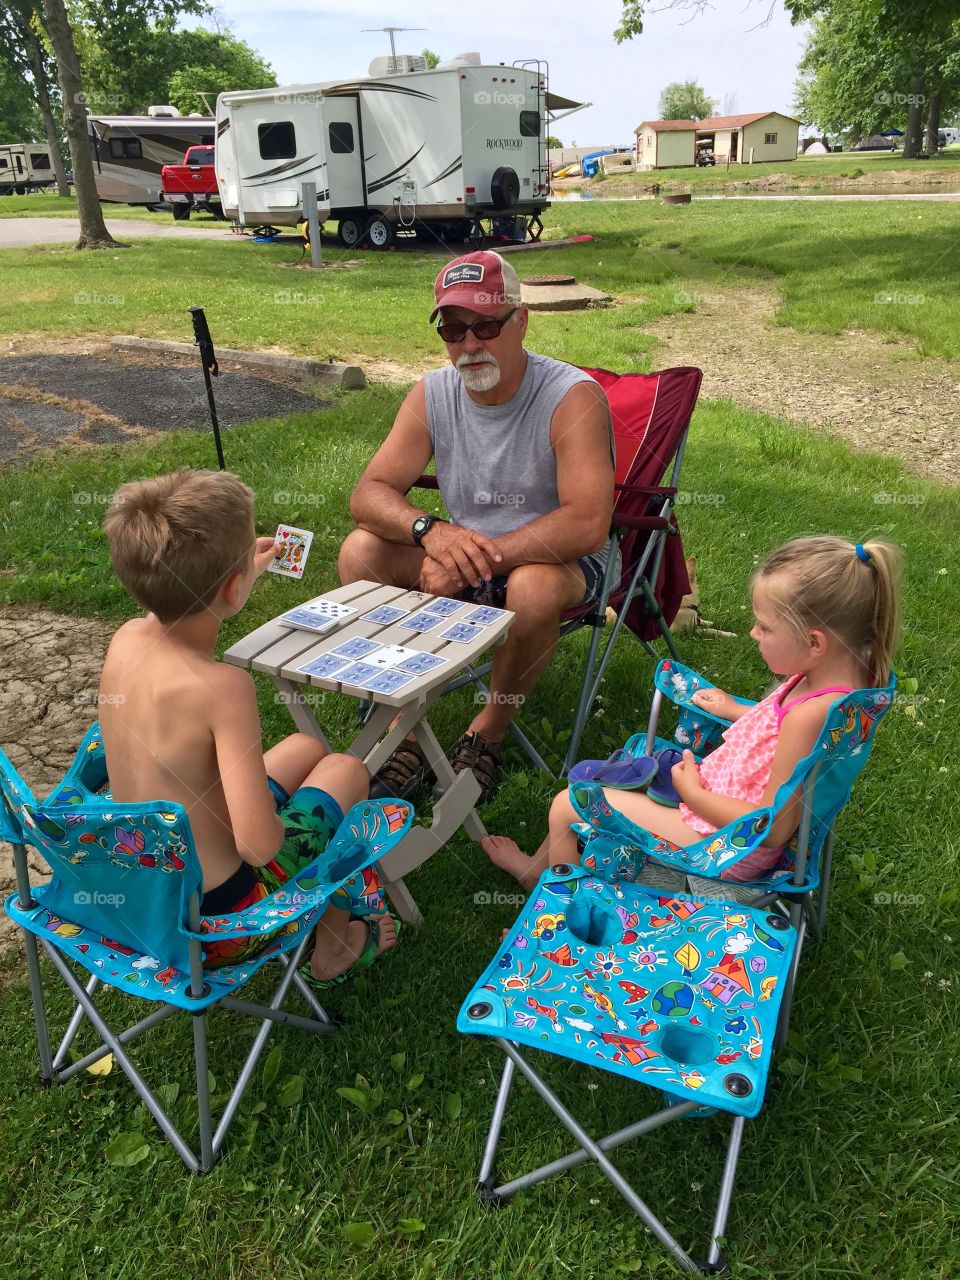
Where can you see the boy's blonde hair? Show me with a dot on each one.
(175, 539)
(851, 591)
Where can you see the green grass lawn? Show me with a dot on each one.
(46, 204)
(852, 1169)
(889, 268)
(810, 171)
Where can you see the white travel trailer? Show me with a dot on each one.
(129, 151)
(405, 147)
(24, 166)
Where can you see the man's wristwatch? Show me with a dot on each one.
(420, 526)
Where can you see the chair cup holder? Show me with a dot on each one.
(688, 1046)
(594, 923)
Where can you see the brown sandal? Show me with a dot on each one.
(471, 751)
(404, 773)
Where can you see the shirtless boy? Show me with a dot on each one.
(178, 725)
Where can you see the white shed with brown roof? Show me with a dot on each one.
(666, 144)
(755, 137)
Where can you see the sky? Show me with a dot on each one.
(742, 69)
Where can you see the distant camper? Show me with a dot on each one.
(24, 166)
(129, 151)
(405, 146)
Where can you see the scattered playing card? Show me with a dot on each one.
(325, 665)
(421, 663)
(484, 615)
(291, 560)
(355, 648)
(422, 621)
(443, 606)
(307, 620)
(462, 631)
(384, 613)
(359, 674)
(389, 681)
(390, 655)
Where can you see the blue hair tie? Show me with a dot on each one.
(862, 553)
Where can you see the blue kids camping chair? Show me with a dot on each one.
(679, 994)
(123, 904)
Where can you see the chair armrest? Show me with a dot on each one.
(678, 683)
(368, 831)
(655, 490)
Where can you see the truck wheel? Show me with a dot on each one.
(381, 232)
(350, 230)
(181, 212)
(505, 188)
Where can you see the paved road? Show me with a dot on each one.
(17, 233)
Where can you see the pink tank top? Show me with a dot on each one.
(741, 765)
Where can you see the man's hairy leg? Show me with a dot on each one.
(538, 594)
(365, 556)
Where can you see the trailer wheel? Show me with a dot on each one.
(505, 188)
(350, 230)
(181, 212)
(381, 232)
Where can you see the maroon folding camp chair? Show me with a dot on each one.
(651, 415)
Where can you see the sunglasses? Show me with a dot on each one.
(486, 330)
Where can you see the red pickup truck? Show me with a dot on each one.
(191, 185)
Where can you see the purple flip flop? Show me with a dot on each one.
(661, 789)
(623, 771)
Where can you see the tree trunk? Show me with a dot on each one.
(93, 231)
(39, 73)
(933, 121)
(913, 142)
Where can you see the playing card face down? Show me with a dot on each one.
(463, 632)
(307, 620)
(359, 675)
(389, 681)
(484, 615)
(327, 665)
(422, 621)
(294, 547)
(443, 606)
(356, 648)
(384, 614)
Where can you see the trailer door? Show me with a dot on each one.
(343, 143)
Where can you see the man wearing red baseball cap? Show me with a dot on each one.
(524, 461)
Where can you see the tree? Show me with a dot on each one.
(430, 58)
(554, 143)
(25, 54)
(685, 100)
(93, 230)
(207, 63)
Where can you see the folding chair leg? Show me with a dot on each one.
(60, 1059)
(47, 1070)
(485, 1180)
(595, 1152)
(819, 923)
(203, 1091)
(131, 1072)
(726, 1191)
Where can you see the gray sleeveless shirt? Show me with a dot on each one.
(495, 463)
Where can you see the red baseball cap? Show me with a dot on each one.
(481, 282)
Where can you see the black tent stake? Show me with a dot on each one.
(208, 358)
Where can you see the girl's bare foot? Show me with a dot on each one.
(508, 856)
(331, 958)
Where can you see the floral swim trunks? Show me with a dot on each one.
(310, 819)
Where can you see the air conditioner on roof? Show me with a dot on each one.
(160, 112)
(390, 65)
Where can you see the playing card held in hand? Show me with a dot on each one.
(294, 547)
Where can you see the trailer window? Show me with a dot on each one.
(4, 162)
(529, 124)
(341, 137)
(39, 160)
(278, 141)
(126, 149)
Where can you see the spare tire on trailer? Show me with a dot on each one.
(505, 188)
